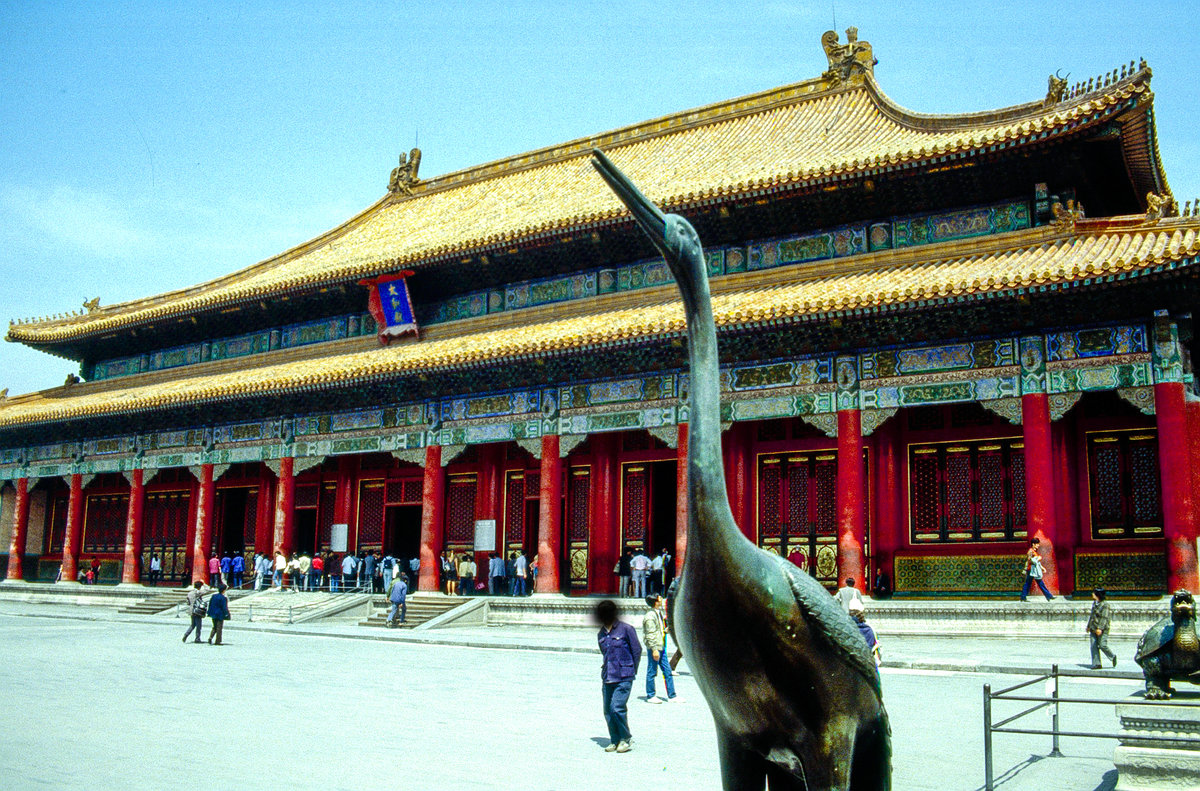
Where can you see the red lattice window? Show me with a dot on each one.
(460, 510)
(1126, 493)
(825, 474)
(250, 525)
(533, 485)
(306, 496)
(56, 519)
(578, 505)
(164, 530)
(370, 514)
(325, 516)
(770, 522)
(967, 491)
(635, 506)
(413, 490)
(514, 508)
(104, 522)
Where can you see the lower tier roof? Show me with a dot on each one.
(1059, 256)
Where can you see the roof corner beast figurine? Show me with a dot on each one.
(1169, 650)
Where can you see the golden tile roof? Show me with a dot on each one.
(1037, 257)
(805, 133)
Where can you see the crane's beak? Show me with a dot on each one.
(652, 221)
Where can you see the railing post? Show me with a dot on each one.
(1054, 751)
(289, 613)
(987, 738)
(250, 614)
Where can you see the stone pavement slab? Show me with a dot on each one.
(122, 703)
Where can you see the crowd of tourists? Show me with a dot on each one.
(515, 575)
(639, 575)
(301, 571)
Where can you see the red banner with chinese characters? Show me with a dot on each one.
(390, 305)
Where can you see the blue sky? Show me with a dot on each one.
(150, 146)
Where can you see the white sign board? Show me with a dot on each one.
(337, 537)
(485, 535)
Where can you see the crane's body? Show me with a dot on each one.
(791, 685)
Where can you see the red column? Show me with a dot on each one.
(739, 478)
(888, 535)
(550, 516)
(489, 482)
(602, 542)
(1193, 410)
(202, 545)
(1039, 482)
(74, 530)
(285, 533)
(263, 527)
(850, 491)
(343, 499)
(16, 550)
(131, 571)
(681, 498)
(1175, 467)
(433, 499)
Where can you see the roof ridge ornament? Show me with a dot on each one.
(1066, 216)
(404, 175)
(1056, 90)
(1160, 206)
(848, 61)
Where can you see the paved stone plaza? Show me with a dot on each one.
(95, 701)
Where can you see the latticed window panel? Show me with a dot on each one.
(164, 530)
(250, 525)
(325, 516)
(992, 489)
(105, 518)
(533, 485)
(635, 507)
(1126, 490)
(404, 491)
(306, 496)
(967, 491)
(56, 518)
(1016, 462)
(413, 490)
(578, 505)
(825, 477)
(770, 477)
(925, 495)
(460, 511)
(799, 482)
(370, 514)
(514, 508)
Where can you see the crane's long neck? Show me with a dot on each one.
(713, 537)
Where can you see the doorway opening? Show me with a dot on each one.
(233, 521)
(306, 530)
(663, 491)
(402, 531)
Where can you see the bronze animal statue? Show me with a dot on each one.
(1169, 650)
(792, 688)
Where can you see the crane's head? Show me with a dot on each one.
(674, 236)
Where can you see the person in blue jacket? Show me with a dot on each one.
(621, 653)
(218, 610)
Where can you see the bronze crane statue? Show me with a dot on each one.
(793, 690)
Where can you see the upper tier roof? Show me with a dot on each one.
(837, 126)
(1039, 258)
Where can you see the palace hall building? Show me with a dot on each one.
(941, 336)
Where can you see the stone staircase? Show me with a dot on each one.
(157, 602)
(421, 609)
(273, 606)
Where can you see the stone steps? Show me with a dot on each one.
(157, 602)
(419, 610)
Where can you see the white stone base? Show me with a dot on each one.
(1155, 765)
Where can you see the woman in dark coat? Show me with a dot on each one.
(218, 610)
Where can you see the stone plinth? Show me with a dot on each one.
(1144, 765)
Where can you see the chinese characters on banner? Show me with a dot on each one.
(390, 305)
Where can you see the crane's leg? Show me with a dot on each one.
(741, 769)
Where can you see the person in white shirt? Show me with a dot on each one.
(849, 597)
(155, 569)
(519, 567)
(640, 565)
(349, 564)
(656, 573)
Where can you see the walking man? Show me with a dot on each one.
(1098, 624)
(654, 632)
(621, 654)
(640, 566)
(155, 569)
(398, 596)
(197, 608)
(218, 610)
